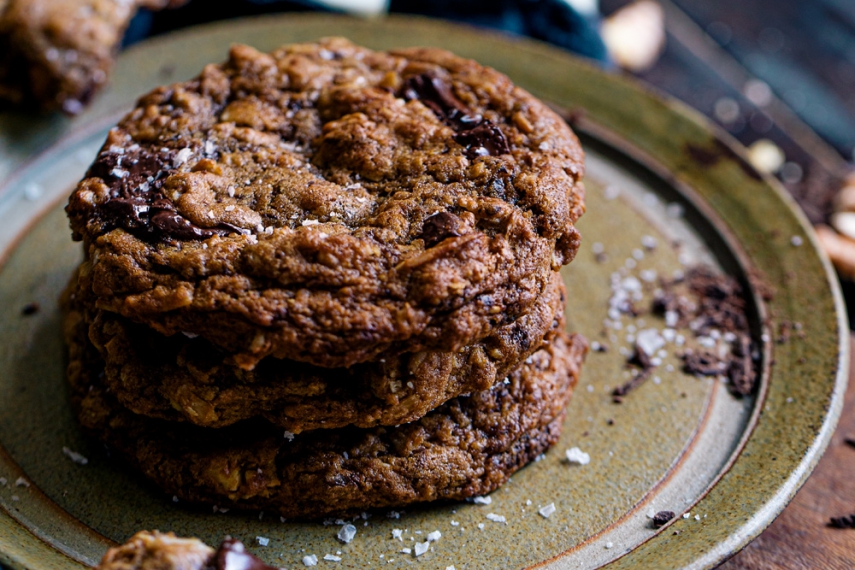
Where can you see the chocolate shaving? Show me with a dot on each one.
(703, 363)
(719, 304)
(479, 136)
(661, 518)
(640, 359)
(842, 522)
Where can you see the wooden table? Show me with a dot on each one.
(801, 538)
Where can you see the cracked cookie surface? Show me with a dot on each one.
(328, 204)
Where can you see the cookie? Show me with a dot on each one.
(177, 378)
(56, 54)
(329, 204)
(467, 447)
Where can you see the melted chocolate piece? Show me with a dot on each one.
(436, 94)
(478, 135)
(440, 226)
(137, 203)
(486, 139)
(232, 555)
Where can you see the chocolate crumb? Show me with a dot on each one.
(610, 422)
(702, 363)
(842, 522)
(661, 518)
(30, 309)
(712, 303)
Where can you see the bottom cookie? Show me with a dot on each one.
(466, 447)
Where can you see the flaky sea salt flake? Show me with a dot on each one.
(547, 511)
(346, 533)
(421, 547)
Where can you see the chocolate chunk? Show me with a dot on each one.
(440, 226)
(842, 522)
(478, 135)
(137, 204)
(436, 94)
(232, 555)
(30, 309)
(485, 139)
(661, 518)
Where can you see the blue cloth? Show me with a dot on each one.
(553, 21)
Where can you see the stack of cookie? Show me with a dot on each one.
(325, 279)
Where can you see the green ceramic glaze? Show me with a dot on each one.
(679, 443)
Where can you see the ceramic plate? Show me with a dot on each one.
(658, 173)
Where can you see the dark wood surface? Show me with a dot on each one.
(801, 538)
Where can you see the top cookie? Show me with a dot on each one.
(327, 203)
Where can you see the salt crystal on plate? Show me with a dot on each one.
(346, 533)
(576, 455)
